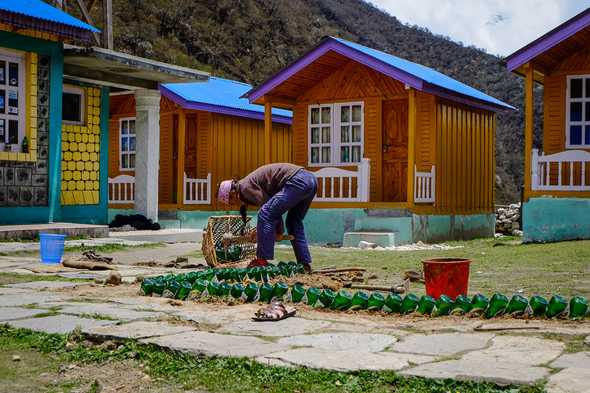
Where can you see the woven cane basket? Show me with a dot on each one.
(217, 227)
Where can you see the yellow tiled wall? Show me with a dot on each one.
(80, 165)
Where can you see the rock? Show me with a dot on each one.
(286, 327)
(517, 233)
(58, 323)
(16, 358)
(362, 342)
(587, 340)
(363, 245)
(136, 330)
(28, 298)
(99, 281)
(572, 360)
(569, 380)
(109, 310)
(515, 226)
(442, 344)
(11, 313)
(47, 284)
(114, 278)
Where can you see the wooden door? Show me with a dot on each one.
(395, 150)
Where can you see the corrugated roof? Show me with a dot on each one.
(41, 10)
(218, 92)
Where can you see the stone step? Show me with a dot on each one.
(31, 231)
(401, 226)
(381, 239)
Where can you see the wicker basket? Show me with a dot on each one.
(217, 226)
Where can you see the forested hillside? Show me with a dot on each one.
(251, 39)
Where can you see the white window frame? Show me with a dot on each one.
(121, 137)
(335, 137)
(583, 123)
(71, 89)
(18, 57)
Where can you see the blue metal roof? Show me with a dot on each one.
(218, 92)
(41, 10)
(424, 73)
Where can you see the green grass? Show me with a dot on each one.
(504, 266)
(15, 278)
(231, 375)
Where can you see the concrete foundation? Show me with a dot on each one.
(556, 219)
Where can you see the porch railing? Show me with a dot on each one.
(425, 186)
(565, 171)
(342, 185)
(122, 189)
(197, 191)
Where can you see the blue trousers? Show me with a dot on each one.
(294, 199)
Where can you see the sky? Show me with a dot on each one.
(498, 26)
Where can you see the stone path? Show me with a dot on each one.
(430, 348)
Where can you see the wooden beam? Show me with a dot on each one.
(107, 29)
(180, 158)
(267, 132)
(283, 102)
(411, 145)
(528, 127)
(90, 5)
(88, 18)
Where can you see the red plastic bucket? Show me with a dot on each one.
(446, 276)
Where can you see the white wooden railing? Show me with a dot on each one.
(564, 171)
(197, 191)
(424, 186)
(341, 185)
(122, 189)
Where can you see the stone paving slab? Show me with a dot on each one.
(13, 291)
(526, 350)
(136, 330)
(36, 285)
(361, 342)
(286, 327)
(572, 360)
(570, 380)
(213, 344)
(220, 316)
(58, 323)
(110, 310)
(443, 344)
(11, 313)
(22, 299)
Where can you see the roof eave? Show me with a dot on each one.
(466, 100)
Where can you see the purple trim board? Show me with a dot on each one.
(548, 40)
(224, 110)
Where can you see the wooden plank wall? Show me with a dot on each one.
(425, 131)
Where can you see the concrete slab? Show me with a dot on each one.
(47, 284)
(284, 328)
(525, 350)
(22, 299)
(213, 344)
(572, 360)
(569, 380)
(168, 235)
(361, 342)
(110, 310)
(11, 313)
(381, 239)
(443, 344)
(60, 324)
(218, 315)
(14, 291)
(136, 330)
(30, 231)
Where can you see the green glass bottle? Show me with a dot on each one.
(578, 307)
(159, 286)
(538, 305)
(254, 274)
(241, 274)
(251, 291)
(479, 303)
(213, 288)
(192, 277)
(209, 274)
(444, 305)
(184, 290)
(279, 290)
(359, 301)
(237, 290)
(342, 300)
(147, 287)
(497, 306)
(462, 305)
(224, 289)
(297, 293)
(393, 303)
(557, 306)
(265, 292)
(200, 285)
(410, 303)
(375, 302)
(426, 305)
(517, 306)
(327, 297)
(173, 287)
(312, 294)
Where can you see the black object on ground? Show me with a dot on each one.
(137, 221)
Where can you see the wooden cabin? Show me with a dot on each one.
(208, 133)
(397, 147)
(560, 168)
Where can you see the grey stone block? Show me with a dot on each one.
(60, 324)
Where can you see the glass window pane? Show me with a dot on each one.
(124, 127)
(71, 107)
(124, 162)
(576, 88)
(132, 126)
(356, 133)
(587, 137)
(356, 113)
(575, 135)
(315, 135)
(344, 134)
(315, 115)
(326, 116)
(131, 143)
(587, 111)
(2, 101)
(356, 154)
(124, 144)
(345, 114)
(13, 132)
(326, 134)
(131, 161)
(345, 154)
(325, 155)
(315, 155)
(2, 72)
(13, 74)
(587, 80)
(575, 111)
(2, 131)
(12, 102)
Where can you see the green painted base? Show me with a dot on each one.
(556, 219)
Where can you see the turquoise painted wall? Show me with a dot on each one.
(23, 215)
(434, 228)
(556, 219)
(95, 214)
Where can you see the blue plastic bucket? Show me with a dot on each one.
(52, 247)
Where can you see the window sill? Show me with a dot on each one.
(14, 156)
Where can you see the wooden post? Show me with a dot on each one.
(267, 132)
(180, 187)
(88, 19)
(528, 127)
(411, 145)
(107, 29)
